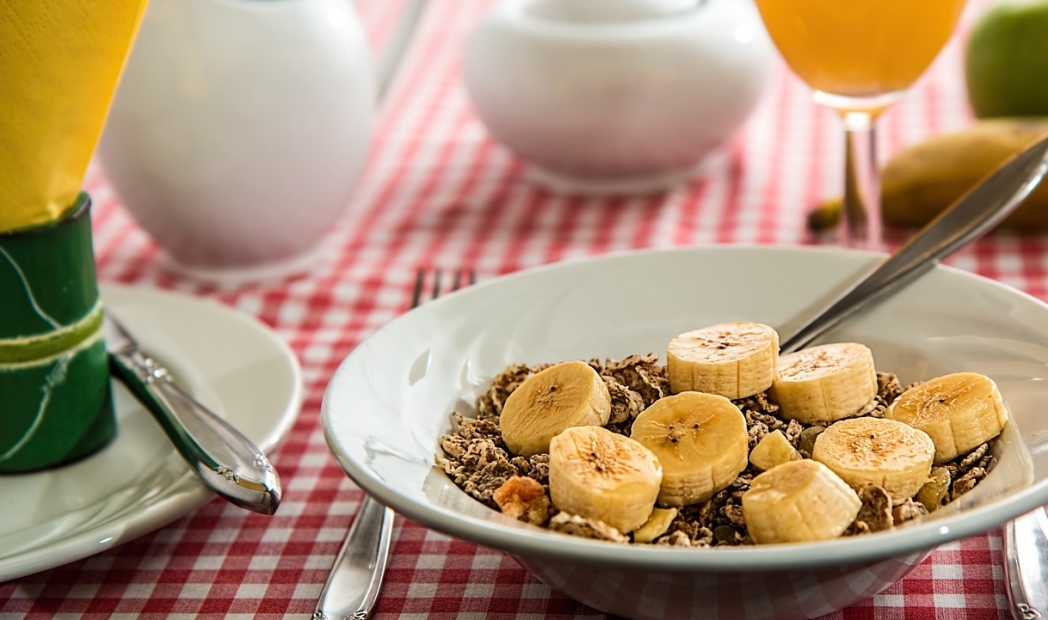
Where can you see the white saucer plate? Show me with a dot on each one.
(139, 483)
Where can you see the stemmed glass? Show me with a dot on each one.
(859, 56)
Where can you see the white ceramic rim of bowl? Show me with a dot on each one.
(530, 541)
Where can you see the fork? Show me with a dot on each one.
(355, 579)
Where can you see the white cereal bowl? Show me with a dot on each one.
(616, 96)
(389, 403)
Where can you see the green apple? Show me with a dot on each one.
(1006, 63)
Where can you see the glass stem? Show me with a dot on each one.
(861, 206)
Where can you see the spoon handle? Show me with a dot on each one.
(223, 459)
(1025, 572)
(973, 215)
(354, 583)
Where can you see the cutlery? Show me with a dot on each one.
(969, 218)
(1025, 572)
(355, 579)
(226, 461)
(974, 214)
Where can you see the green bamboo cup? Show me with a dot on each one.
(55, 402)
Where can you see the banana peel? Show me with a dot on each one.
(923, 180)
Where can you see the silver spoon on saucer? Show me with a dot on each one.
(224, 459)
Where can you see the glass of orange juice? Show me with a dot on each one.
(859, 56)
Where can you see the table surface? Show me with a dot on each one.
(439, 192)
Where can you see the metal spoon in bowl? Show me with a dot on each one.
(973, 215)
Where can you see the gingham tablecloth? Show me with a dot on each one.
(439, 192)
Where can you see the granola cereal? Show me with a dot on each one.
(476, 459)
(677, 538)
(489, 405)
(876, 511)
(523, 499)
(908, 510)
(586, 528)
(478, 462)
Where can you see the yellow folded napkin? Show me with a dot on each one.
(59, 65)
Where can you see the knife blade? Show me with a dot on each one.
(222, 457)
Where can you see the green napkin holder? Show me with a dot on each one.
(55, 401)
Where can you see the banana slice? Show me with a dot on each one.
(958, 411)
(601, 475)
(825, 383)
(875, 451)
(799, 501)
(734, 360)
(700, 440)
(559, 397)
(774, 449)
(656, 525)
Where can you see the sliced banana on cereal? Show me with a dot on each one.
(561, 396)
(825, 383)
(734, 360)
(657, 524)
(773, 449)
(700, 440)
(959, 412)
(798, 501)
(871, 451)
(601, 475)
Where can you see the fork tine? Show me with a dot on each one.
(457, 282)
(436, 284)
(416, 295)
(471, 279)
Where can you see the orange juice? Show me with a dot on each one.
(59, 64)
(859, 48)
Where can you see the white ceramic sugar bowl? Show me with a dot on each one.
(616, 95)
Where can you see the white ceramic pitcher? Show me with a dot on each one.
(239, 129)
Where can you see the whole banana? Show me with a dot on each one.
(922, 180)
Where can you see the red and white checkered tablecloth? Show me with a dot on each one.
(438, 191)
